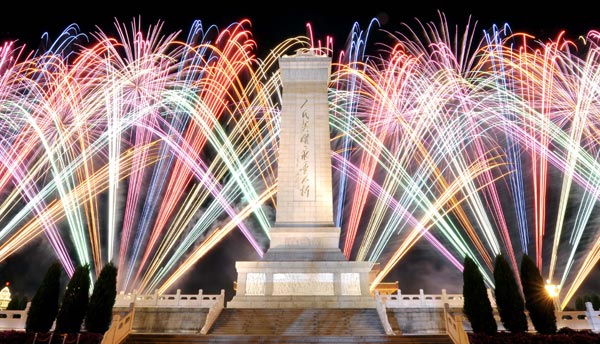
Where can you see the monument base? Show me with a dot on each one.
(302, 243)
(305, 302)
(303, 284)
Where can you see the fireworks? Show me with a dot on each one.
(146, 150)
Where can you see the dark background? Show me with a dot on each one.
(272, 23)
(28, 23)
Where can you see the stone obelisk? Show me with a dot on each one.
(304, 267)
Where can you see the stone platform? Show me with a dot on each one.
(303, 284)
(240, 339)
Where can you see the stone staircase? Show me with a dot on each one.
(393, 321)
(327, 325)
(298, 322)
(139, 338)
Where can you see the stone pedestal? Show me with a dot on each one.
(311, 284)
(305, 244)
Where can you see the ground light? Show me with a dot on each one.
(552, 290)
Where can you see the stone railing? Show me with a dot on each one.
(576, 320)
(119, 329)
(593, 317)
(166, 300)
(454, 326)
(213, 313)
(14, 320)
(422, 300)
(381, 311)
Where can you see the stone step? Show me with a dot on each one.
(318, 322)
(139, 338)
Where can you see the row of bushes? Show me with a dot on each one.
(511, 300)
(77, 310)
(562, 336)
(20, 337)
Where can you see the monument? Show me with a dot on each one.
(304, 266)
(4, 297)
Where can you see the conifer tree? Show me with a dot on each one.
(23, 302)
(537, 301)
(75, 302)
(580, 303)
(509, 301)
(477, 306)
(595, 300)
(44, 304)
(13, 304)
(99, 313)
(581, 300)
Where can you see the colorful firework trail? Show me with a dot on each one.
(489, 146)
(147, 150)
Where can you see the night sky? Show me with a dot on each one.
(270, 26)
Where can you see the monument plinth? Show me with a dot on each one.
(304, 266)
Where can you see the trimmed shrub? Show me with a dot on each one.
(13, 337)
(14, 303)
(581, 300)
(509, 301)
(75, 302)
(477, 306)
(537, 301)
(99, 313)
(23, 302)
(563, 336)
(44, 304)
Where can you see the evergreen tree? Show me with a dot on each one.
(581, 300)
(44, 304)
(537, 301)
(595, 300)
(509, 301)
(23, 302)
(477, 306)
(75, 302)
(99, 313)
(580, 303)
(13, 304)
